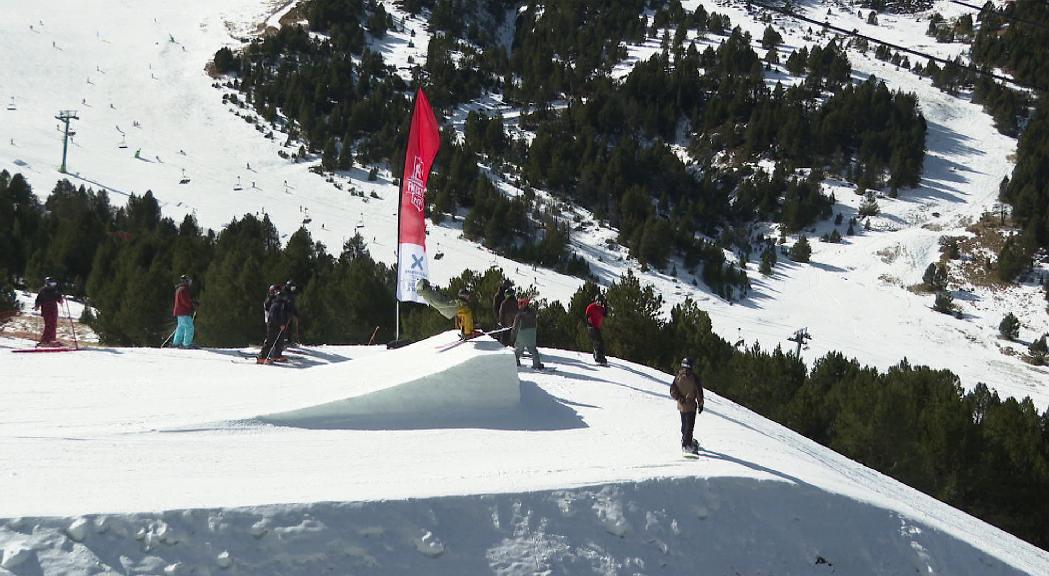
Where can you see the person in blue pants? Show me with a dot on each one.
(183, 313)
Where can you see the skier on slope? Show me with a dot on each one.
(507, 314)
(183, 313)
(524, 334)
(47, 300)
(595, 318)
(277, 319)
(464, 316)
(688, 391)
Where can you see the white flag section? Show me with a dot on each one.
(411, 267)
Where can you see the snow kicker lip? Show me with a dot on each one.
(413, 381)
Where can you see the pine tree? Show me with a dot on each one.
(935, 277)
(1038, 350)
(1009, 328)
(329, 158)
(869, 206)
(801, 251)
(944, 303)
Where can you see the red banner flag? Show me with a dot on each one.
(424, 140)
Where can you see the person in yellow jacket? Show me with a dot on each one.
(464, 316)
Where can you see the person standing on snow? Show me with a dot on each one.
(464, 316)
(688, 391)
(500, 296)
(524, 334)
(47, 300)
(595, 318)
(507, 314)
(183, 313)
(277, 319)
(291, 334)
(271, 293)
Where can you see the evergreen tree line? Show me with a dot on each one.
(126, 261)
(973, 450)
(1015, 37)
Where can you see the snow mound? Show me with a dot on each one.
(433, 378)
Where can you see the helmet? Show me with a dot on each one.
(464, 293)
(510, 293)
(186, 279)
(273, 289)
(50, 282)
(600, 298)
(290, 286)
(686, 363)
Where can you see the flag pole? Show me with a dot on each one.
(400, 202)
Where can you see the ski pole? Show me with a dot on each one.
(372, 339)
(170, 336)
(69, 315)
(269, 355)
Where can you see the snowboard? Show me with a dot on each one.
(443, 304)
(543, 369)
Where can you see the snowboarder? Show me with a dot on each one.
(464, 316)
(688, 391)
(47, 301)
(595, 317)
(524, 334)
(507, 314)
(280, 311)
(500, 296)
(183, 313)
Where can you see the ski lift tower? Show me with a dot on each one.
(65, 116)
(800, 337)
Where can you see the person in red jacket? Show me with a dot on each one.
(183, 313)
(595, 318)
(47, 301)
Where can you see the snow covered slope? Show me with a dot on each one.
(148, 460)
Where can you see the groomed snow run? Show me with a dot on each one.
(149, 461)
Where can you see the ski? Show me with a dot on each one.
(34, 350)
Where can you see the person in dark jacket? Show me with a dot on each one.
(507, 314)
(291, 290)
(183, 313)
(271, 293)
(524, 334)
(688, 391)
(500, 297)
(47, 300)
(595, 318)
(277, 319)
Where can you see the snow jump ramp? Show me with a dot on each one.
(425, 379)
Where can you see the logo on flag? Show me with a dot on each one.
(414, 186)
